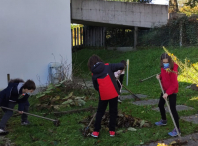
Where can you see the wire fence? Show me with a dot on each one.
(179, 31)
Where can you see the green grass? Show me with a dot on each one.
(143, 63)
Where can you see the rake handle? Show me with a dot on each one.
(30, 114)
(148, 78)
(91, 120)
(170, 111)
(131, 92)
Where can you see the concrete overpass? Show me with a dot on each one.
(113, 13)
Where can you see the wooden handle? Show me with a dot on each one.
(170, 110)
(29, 114)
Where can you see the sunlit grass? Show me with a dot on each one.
(143, 63)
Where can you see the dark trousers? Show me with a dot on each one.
(172, 102)
(9, 113)
(113, 111)
(24, 116)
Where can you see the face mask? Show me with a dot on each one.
(166, 65)
(28, 93)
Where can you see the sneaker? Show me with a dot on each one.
(112, 133)
(3, 132)
(119, 100)
(95, 134)
(174, 133)
(161, 123)
(25, 123)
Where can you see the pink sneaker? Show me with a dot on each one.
(95, 134)
(112, 133)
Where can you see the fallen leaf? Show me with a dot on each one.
(173, 142)
(120, 131)
(142, 123)
(132, 129)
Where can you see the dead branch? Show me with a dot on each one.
(75, 111)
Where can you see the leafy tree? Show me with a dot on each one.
(192, 3)
(188, 10)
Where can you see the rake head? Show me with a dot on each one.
(56, 123)
(86, 132)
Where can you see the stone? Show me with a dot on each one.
(147, 102)
(124, 91)
(192, 140)
(130, 96)
(192, 118)
(178, 107)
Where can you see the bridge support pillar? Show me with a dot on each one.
(135, 37)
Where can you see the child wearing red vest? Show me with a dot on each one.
(105, 83)
(170, 85)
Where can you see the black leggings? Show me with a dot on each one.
(113, 111)
(172, 101)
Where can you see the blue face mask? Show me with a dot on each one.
(166, 65)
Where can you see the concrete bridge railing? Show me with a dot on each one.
(101, 12)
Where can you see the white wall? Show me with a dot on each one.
(30, 31)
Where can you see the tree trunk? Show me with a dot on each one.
(173, 6)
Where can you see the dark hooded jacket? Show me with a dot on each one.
(104, 80)
(12, 94)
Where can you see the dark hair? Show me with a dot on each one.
(170, 61)
(124, 62)
(30, 85)
(93, 60)
(17, 80)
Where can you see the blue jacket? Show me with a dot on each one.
(12, 93)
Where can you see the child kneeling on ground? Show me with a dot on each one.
(105, 83)
(16, 92)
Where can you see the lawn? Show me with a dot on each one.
(143, 63)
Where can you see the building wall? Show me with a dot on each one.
(33, 33)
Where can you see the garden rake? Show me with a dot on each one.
(55, 122)
(148, 77)
(85, 133)
(179, 142)
(136, 98)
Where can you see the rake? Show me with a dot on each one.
(55, 122)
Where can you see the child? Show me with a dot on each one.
(105, 83)
(170, 86)
(119, 78)
(16, 92)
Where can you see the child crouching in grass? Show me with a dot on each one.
(17, 92)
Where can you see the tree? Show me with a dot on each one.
(173, 6)
(188, 10)
(191, 7)
(192, 3)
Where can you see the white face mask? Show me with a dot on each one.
(29, 92)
